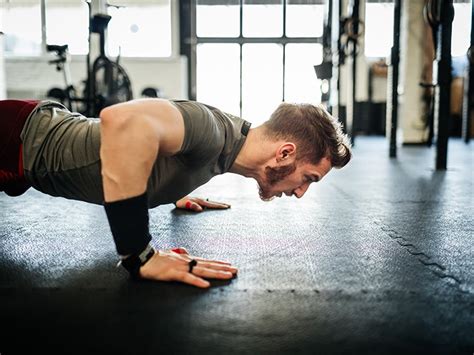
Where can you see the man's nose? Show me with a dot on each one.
(300, 191)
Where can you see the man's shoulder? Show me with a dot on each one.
(204, 134)
(195, 108)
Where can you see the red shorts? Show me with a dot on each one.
(13, 114)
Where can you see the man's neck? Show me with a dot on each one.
(253, 156)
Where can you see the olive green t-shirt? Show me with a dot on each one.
(61, 153)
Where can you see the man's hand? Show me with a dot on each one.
(198, 204)
(173, 265)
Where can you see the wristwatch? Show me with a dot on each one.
(133, 262)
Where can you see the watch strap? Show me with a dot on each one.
(133, 262)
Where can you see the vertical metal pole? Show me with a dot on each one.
(339, 56)
(327, 36)
(284, 49)
(328, 52)
(349, 94)
(193, 55)
(355, 49)
(241, 22)
(102, 42)
(352, 72)
(443, 90)
(90, 82)
(187, 38)
(394, 66)
(468, 105)
(43, 27)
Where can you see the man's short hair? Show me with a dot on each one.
(316, 133)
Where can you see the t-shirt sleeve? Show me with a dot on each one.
(204, 137)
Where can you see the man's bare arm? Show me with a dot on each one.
(133, 134)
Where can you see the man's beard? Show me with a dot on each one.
(272, 176)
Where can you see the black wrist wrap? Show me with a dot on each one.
(128, 220)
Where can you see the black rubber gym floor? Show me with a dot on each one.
(377, 258)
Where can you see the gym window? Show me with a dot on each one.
(139, 28)
(21, 37)
(251, 55)
(461, 28)
(142, 28)
(378, 15)
(75, 14)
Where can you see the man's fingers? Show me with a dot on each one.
(171, 265)
(210, 261)
(193, 206)
(184, 252)
(188, 205)
(198, 204)
(180, 251)
(212, 204)
(211, 273)
(220, 267)
(191, 279)
(196, 207)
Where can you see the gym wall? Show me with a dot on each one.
(32, 77)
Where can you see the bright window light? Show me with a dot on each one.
(378, 29)
(301, 83)
(217, 20)
(76, 15)
(140, 30)
(262, 82)
(304, 20)
(461, 32)
(262, 20)
(23, 37)
(218, 76)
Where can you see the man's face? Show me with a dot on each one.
(291, 179)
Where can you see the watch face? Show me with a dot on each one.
(146, 254)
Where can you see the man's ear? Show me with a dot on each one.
(286, 151)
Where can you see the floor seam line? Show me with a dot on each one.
(431, 266)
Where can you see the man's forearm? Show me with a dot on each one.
(129, 224)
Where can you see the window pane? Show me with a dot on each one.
(378, 16)
(218, 20)
(218, 76)
(262, 20)
(301, 84)
(76, 15)
(22, 37)
(461, 29)
(304, 20)
(140, 30)
(262, 81)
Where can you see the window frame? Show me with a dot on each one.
(240, 40)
